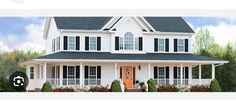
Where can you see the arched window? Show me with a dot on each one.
(128, 41)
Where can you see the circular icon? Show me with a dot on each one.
(18, 81)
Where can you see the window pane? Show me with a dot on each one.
(136, 44)
(92, 43)
(128, 41)
(161, 72)
(161, 44)
(71, 43)
(121, 43)
(71, 72)
(31, 72)
(92, 72)
(180, 45)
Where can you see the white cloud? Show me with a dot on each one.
(222, 33)
(32, 40)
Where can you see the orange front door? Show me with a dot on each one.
(127, 76)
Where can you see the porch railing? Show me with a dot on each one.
(162, 81)
(178, 81)
(92, 81)
(65, 81)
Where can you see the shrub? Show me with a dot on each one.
(200, 88)
(47, 87)
(99, 89)
(183, 88)
(81, 89)
(63, 89)
(115, 86)
(214, 86)
(167, 88)
(5, 86)
(151, 85)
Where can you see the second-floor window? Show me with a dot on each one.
(92, 43)
(161, 44)
(181, 45)
(129, 42)
(71, 42)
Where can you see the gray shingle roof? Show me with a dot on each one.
(110, 56)
(169, 24)
(163, 24)
(83, 23)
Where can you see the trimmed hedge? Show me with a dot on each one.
(47, 87)
(215, 86)
(152, 87)
(115, 86)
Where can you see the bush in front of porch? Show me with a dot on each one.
(47, 87)
(152, 87)
(115, 86)
(215, 86)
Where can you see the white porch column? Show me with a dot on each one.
(181, 74)
(213, 71)
(115, 71)
(81, 74)
(45, 71)
(190, 75)
(61, 75)
(28, 71)
(149, 71)
(200, 74)
(171, 75)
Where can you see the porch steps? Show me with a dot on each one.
(134, 90)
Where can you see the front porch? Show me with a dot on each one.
(61, 74)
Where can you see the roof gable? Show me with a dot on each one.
(169, 24)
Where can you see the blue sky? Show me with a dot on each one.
(26, 32)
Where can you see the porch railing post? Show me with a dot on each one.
(45, 71)
(149, 70)
(213, 71)
(81, 74)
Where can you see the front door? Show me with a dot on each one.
(127, 76)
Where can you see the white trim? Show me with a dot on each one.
(84, 31)
(149, 70)
(138, 61)
(170, 33)
(181, 74)
(213, 71)
(46, 27)
(109, 23)
(200, 74)
(149, 25)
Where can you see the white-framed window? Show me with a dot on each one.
(136, 43)
(121, 43)
(57, 43)
(128, 41)
(161, 73)
(92, 72)
(31, 72)
(92, 43)
(180, 45)
(71, 42)
(92, 78)
(161, 45)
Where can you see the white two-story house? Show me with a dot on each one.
(98, 50)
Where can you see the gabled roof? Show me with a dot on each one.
(111, 56)
(82, 23)
(169, 24)
(162, 24)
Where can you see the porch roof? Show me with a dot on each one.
(131, 57)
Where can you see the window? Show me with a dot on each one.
(128, 40)
(121, 43)
(92, 75)
(58, 43)
(136, 43)
(71, 75)
(92, 43)
(161, 73)
(71, 43)
(31, 72)
(161, 45)
(180, 45)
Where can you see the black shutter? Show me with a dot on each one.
(116, 43)
(120, 72)
(86, 72)
(186, 45)
(156, 44)
(175, 45)
(140, 43)
(175, 72)
(77, 71)
(98, 43)
(99, 72)
(86, 43)
(186, 72)
(64, 71)
(134, 75)
(65, 42)
(167, 72)
(77, 43)
(155, 72)
(167, 45)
